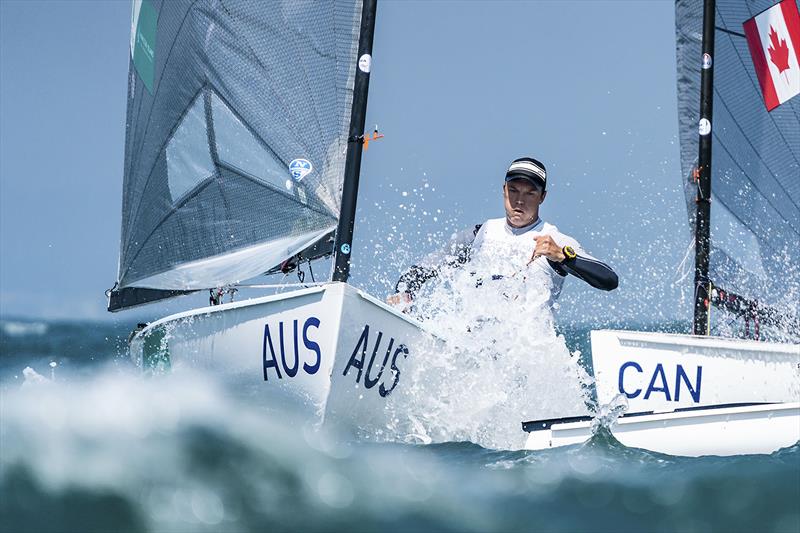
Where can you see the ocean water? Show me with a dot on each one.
(90, 445)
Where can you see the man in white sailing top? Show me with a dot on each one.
(519, 244)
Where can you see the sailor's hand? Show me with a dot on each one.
(547, 247)
(399, 299)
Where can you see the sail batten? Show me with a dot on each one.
(237, 127)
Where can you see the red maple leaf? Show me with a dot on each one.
(778, 51)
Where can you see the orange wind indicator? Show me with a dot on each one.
(374, 137)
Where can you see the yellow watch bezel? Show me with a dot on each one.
(568, 252)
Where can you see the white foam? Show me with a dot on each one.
(21, 329)
(504, 363)
(33, 378)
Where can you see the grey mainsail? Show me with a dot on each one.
(755, 209)
(236, 137)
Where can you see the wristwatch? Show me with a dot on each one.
(569, 253)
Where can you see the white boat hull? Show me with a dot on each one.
(663, 372)
(689, 395)
(756, 429)
(324, 353)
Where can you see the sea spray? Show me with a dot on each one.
(103, 450)
(502, 361)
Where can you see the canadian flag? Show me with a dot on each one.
(774, 40)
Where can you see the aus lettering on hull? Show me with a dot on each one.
(359, 358)
(291, 355)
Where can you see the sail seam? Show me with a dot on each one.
(157, 87)
(285, 108)
(162, 150)
(755, 187)
(197, 190)
(188, 196)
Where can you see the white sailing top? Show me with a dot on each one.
(504, 251)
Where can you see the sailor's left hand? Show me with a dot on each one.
(547, 247)
(401, 300)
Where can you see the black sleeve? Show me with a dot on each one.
(412, 279)
(415, 277)
(597, 274)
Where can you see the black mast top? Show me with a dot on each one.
(352, 169)
(703, 176)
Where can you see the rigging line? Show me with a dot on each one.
(682, 265)
(279, 285)
(311, 271)
(730, 32)
(757, 89)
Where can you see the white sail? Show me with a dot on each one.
(237, 127)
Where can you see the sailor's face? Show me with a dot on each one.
(522, 201)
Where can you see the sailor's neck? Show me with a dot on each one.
(519, 231)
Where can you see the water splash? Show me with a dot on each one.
(607, 415)
(502, 364)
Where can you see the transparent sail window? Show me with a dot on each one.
(240, 150)
(189, 160)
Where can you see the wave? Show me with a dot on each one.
(14, 328)
(180, 452)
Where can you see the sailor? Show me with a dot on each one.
(524, 243)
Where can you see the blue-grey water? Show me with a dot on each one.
(101, 449)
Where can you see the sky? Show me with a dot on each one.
(460, 89)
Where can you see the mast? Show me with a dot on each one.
(352, 169)
(703, 201)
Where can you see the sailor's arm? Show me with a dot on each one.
(455, 253)
(596, 273)
(410, 282)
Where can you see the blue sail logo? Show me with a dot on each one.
(300, 168)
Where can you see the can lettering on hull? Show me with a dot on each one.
(659, 383)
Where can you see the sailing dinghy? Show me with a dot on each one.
(709, 393)
(243, 148)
